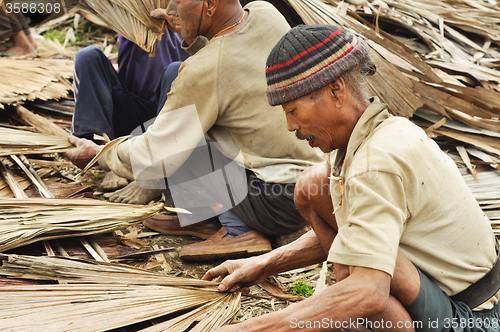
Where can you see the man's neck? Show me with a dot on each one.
(227, 23)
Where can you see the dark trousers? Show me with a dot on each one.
(103, 103)
(209, 178)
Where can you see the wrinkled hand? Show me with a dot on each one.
(244, 272)
(83, 153)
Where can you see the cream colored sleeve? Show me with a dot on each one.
(375, 214)
(190, 111)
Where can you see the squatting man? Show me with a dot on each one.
(219, 92)
(408, 241)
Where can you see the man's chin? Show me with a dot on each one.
(185, 35)
(326, 149)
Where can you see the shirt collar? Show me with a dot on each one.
(372, 117)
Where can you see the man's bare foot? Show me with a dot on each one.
(112, 182)
(17, 50)
(133, 194)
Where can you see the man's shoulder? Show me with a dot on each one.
(204, 59)
(397, 131)
(264, 10)
(260, 5)
(395, 142)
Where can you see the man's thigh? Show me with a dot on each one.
(433, 310)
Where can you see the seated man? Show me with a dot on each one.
(220, 91)
(17, 35)
(410, 245)
(115, 103)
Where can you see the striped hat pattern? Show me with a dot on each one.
(309, 57)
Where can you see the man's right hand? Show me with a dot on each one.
(84, 152)
(244, 272)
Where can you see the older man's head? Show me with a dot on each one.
(204, 17)
(317, 73)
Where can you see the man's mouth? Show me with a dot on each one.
(306, 137)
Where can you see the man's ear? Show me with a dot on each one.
(338, 89)
(212, 7)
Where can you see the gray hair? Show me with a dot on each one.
(356, 78)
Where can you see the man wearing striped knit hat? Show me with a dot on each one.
(411, 248)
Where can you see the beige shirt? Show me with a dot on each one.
(220, 91)
(401, 192)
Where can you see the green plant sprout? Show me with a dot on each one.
(302, 288)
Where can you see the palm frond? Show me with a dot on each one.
(108, 295)
(15, 142)
(24, 221)
(131, 19)
(34, 79)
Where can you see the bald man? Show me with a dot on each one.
(246, 169)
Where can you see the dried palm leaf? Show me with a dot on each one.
(6, 192)
(131, 19)
(105, 149)
(42, 124)
(24, 221)
(113, 295)
(12, 182)
(34, 79)
(15, 142)
(23, 163)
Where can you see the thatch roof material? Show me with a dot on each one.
(24, 221)
(109, 295)
(34, 79)
(15, 142)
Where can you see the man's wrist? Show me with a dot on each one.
(267, 263)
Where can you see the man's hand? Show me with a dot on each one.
(159, 13)
(83, 153)
(169, 15)
(244, 272)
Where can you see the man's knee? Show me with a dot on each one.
(172, 70)
(88, 56)
(311, 184)
(164, 84)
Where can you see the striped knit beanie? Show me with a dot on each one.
(309, 57)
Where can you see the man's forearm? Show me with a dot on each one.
(362, 294)
(304, 251)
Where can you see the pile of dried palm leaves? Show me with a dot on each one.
(24, 221)
(96, 296)
(15, 141)
(130, 18)
(34, 79)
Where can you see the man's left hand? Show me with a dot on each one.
(84, 152)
